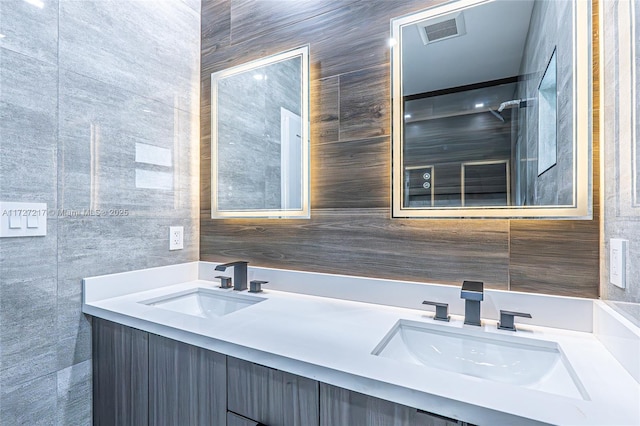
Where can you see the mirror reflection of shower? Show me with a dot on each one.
(480, 106)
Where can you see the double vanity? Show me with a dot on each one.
(325, 349)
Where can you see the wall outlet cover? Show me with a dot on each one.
(176, 238)
(618, 262)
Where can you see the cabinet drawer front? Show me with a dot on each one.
(236, 420)
(341, 407)
(271, 397)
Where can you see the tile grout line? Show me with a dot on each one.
(57, 159)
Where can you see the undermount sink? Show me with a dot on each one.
(203, 302)
(530, 363)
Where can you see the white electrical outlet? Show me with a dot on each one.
(176, 238)
(618, 262)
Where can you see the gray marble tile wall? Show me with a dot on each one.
(549, 30)
(82, 83)
(620, 139)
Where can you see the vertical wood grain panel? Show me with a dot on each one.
(271, 396)
(120, 375)
(187, 384)
(325, 109)
(365, 103)
(216, 25)
(351, 231)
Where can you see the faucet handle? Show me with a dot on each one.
(507, 320)
(225, 282)
(442, 310)
(255, 286)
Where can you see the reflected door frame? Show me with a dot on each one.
(290, 158)
(484, 163)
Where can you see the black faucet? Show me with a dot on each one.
(473, 293)
(239, 273)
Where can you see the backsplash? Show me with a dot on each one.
(350, 230)
(86, 88)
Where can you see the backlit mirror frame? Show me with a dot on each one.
(582, 125)
(302, 213)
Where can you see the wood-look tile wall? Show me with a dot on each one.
(350, 230)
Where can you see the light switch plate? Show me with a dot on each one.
(33, 221)
(618, 262)
(23, 219)
(15, 221)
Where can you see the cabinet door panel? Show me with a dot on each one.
(270, 396)
(341, 407)
(187, 384)
(120, 375)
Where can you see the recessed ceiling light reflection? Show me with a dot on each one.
(260, 77)
(479, 105)
(407, 116)
(392, 42)
(37, 3)
(2, 36)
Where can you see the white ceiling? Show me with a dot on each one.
(491, 49)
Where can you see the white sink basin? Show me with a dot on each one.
(530, 363)
(203, 302)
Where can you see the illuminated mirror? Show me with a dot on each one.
(491, 110)
(260, 138)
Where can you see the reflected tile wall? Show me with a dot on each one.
(81, 83)
(100, 125)
(549, 31)
(249, 133)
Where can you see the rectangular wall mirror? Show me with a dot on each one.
(492, 110)
(260, 138)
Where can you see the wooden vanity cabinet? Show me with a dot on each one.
(271, 397)
(141, 379)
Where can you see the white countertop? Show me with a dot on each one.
(331, 340)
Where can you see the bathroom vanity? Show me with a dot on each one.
(330, 350)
